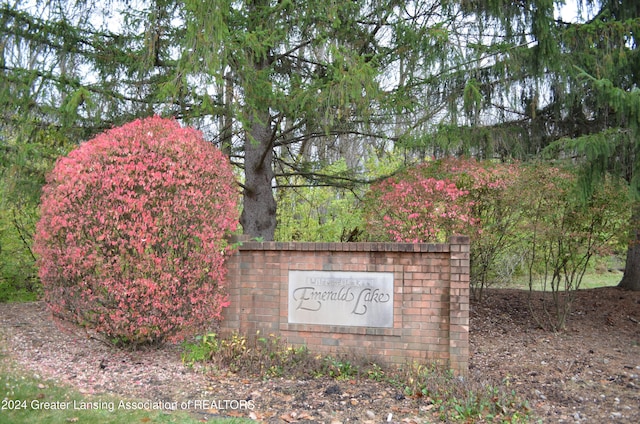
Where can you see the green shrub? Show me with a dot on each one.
(564, 231)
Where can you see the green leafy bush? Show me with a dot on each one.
(564, 230)
(23, 166)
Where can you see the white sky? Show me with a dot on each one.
(569, 11)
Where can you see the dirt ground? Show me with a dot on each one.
(588, 373)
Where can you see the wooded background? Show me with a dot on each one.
(313, 101)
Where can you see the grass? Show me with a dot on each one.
(605, 279)
(28, 399)
(590, 280)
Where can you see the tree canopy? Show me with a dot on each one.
(287, 88)
(284, 87)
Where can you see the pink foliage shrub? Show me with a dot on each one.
(132, 232)
(435, 200)
(425, 209)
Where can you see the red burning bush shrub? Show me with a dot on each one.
(132, 232)
(434, 200)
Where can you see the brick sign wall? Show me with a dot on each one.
(392, 302)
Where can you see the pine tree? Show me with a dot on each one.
(285, 88)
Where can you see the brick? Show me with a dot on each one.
(424, 283)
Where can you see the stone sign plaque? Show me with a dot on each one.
(361, 299)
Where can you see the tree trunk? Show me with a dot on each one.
(258, 218)
(226, 120)
(631, 277)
